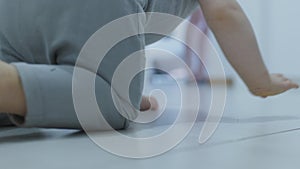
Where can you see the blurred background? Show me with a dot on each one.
(253, 133)
(276, 26)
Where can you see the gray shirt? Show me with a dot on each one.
(43, 38)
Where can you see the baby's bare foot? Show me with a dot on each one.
(149, 103)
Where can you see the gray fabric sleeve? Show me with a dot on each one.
(48, 91)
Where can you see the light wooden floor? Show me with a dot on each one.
(253, 134)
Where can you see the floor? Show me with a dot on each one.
(253, 133)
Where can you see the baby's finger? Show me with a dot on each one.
(291, 84)
(295, 85)
(285, 79)
(279, 75)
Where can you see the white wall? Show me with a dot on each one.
(284, 37)
(277, 26)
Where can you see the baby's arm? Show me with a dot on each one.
(236, 38)
(12, 98)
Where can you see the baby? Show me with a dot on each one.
(40, 41)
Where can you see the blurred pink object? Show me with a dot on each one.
(191, 59)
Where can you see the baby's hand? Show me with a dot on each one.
(278, 84)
